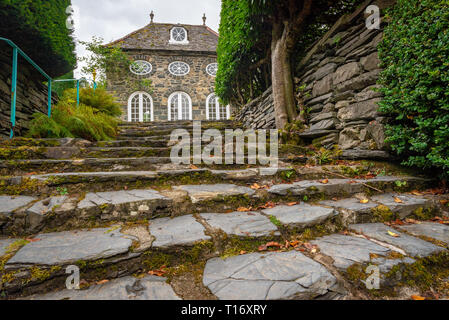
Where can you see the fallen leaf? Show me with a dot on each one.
(416, 193)
(393, 234)
(334, 199)
(416, 297)
(290, 204)
(443, 202)
(397, 200)
(242, 209)
(256, 187)
(364, 201)
(325, 181)
(242, 252)
(193, 167)
(408, 220)
(32, 240)
(103, 281)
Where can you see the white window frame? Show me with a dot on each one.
(179, 75)
(173, 41)
(141, 74)
(207, 71)
(170, 98)
(217, 110)
(141, 94)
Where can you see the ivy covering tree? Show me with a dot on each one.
(415, 58)
(39, 28)
(257, 41)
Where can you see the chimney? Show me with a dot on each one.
(152, 16)
(204, 19)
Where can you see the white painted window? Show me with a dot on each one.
(178, 35)
(141, 67)
(179, 107)
(212, 69)
(216, 111)
(140, 107)
(179, 68)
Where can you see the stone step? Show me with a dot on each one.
(155, 143)
(31, 266)
(18, 167)
(172, 176)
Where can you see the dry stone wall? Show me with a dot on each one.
(31, 93)
(259, 113)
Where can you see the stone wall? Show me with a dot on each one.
(31, 93)
(259, 113)
(337, 85)
(197, 84)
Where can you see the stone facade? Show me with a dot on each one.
(153, 44)
(337, 81)
(32, 94)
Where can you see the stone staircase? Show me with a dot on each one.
(139, 227)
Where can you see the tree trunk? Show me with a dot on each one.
(282, 79)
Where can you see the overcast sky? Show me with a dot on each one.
(113, 19)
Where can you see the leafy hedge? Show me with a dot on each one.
(39, 28)
(415, 58)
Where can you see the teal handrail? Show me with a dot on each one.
(15, 55)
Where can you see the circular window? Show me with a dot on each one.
(141, 67)
(212, 69)
(179, 34)
(179, 68)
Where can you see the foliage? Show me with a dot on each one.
(60, 87)
(39, 28)
(99, 100)
(103, 59)
(415, 58)
(244, 46)
(93, 120)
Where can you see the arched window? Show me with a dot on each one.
(140, 107)
(179, 106)
(215, 111)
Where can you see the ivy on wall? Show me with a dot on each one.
(415, 59)
(39, 28)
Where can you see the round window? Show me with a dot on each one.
(179, 68)
(212, 69)
(179, 34)
(141, 67)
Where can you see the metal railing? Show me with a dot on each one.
(15, 55)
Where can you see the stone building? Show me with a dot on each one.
(181, 62)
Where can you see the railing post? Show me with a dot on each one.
(49, 98)
(15, 54)
(77, 93)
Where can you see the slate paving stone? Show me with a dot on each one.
(119, 197)
(269, 276)
(184, 230)
(433, 230)
(4, 245)
(246, 224)
(351, 205)
(8, 204)
(45, 206)
(198, 193)
(406, 207)
(415, 247)
(62, 248)
(127, 288)
(334, 186)
(347, 250)
(301, 215)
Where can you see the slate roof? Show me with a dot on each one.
(156, 36)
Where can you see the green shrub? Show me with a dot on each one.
(415, 58)
(100, 100)
(91, 122)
